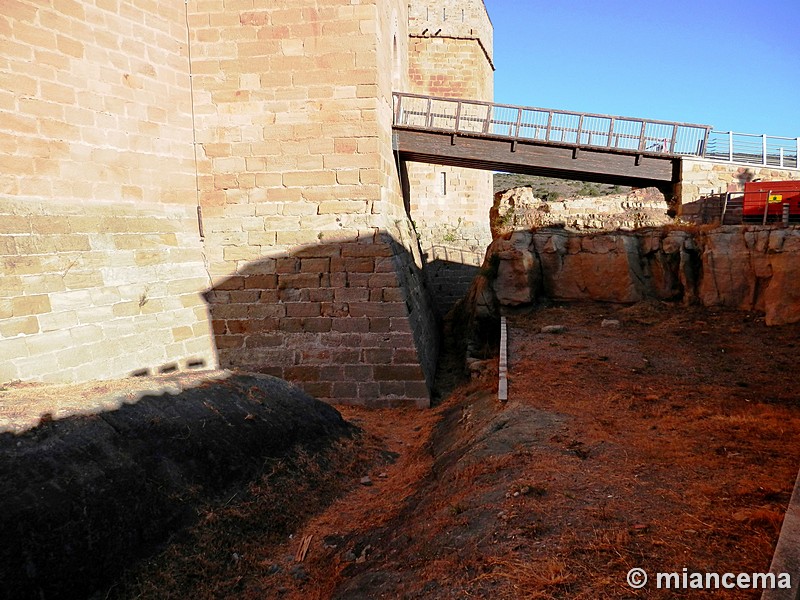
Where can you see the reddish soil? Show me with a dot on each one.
(666, 443)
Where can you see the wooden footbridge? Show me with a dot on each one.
(537, 141)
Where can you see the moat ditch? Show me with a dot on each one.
(663, 443)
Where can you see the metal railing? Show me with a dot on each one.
(753, 149)
(735, 201)
(728, 203)
(472, 117)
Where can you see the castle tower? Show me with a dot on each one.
(450, 55)
(101, 264)
(209, 182)
(316, 268)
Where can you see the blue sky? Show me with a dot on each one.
(731, 64)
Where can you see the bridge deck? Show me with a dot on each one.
(537, 141)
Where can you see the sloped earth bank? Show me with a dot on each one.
(85, 496)
(665, 443)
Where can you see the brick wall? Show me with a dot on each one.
(301, 197)
(450, 55)
(309, 269)
(100, 262)
(700, 178)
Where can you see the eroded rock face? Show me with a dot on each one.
(518, 208)
(756, 268)
(517, 270)
(597, 266)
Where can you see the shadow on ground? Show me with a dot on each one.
(85, 497)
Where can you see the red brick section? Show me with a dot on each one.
(341, 332)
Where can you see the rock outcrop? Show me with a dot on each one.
(750, 268)
(518, 208)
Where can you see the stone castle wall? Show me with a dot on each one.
(451, 56)
(101, 263)
(314, 267)
(700, 178)
(456, 19)
(309, 269)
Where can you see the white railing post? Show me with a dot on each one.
(764, 149)
(730, 146)
(797, 155)
(429, 116)
(781, 153)
(398, 107)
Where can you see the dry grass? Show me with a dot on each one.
(528, 579)
(642, 446)
(231, 546)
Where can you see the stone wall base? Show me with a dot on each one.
(93, 291)
(347, 322)
(701, 178)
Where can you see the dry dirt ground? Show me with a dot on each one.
(24, 405)
(667, 442)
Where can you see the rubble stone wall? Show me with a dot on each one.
(518, 208)
(701, 178)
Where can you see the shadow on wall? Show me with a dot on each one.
(706, 210)
(449, 272)
(350, 322)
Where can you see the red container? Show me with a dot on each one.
(773, 194)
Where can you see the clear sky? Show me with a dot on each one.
(732, 64)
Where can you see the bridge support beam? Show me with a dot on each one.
(600, 165)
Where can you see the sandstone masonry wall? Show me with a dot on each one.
(100, 259)
(286, 103)
(700, 178)
(450, 55)
(301, 197)
(453, 18)
(119, 120)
